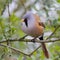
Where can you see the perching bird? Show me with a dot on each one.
(32, 26)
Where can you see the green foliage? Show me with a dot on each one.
(55, 49)
(58, 1)
(3, 4)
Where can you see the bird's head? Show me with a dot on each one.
(27, 17)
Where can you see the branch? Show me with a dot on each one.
(29, 40)
(22, 3)
(17, 50)
(53, 32)
(35, 50)
(3, 9)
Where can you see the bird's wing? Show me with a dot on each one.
(38, 20)
(41, 24)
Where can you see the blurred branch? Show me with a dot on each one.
(29, 40)
(17, 50)
(8, 22)
(8, 9)
(22, 2)
(53, 32)
(44, 8)
(35, 50)
(28, 7)
(3, 9)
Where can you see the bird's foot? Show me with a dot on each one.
(33, 40)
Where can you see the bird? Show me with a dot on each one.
(31, 25)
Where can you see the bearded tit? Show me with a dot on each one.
(31, 25)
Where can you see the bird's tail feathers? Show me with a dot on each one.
(45, 50)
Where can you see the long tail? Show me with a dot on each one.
(45, 50)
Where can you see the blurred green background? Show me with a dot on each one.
(11, 12)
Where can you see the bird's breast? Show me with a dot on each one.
(32, 30)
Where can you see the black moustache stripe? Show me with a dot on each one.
(26, 23)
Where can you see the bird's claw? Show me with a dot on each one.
(33, 40)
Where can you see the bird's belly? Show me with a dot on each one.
(32, 31)
(35, 32)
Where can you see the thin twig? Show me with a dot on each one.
(23, 37)
(53, 32)
(3, 9)
(8, 9)
(17, 50)
(8, 21)
(10, 40)
(35, 50)
(22, 2)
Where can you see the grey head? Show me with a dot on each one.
(28, 17)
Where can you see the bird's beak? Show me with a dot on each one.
(22, 20)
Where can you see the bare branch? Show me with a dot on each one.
(53, 32)
(29, 40)
(35, 50)
(17, 50)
